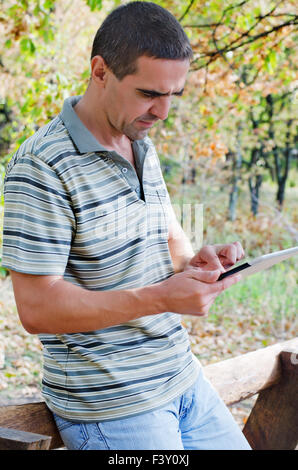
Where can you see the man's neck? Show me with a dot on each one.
(94, 118)
(97, 123)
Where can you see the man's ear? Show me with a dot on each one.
(99, 70)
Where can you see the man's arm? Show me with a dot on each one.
(179, 244)
(49, 304)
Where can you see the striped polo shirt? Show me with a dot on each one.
(75, 209)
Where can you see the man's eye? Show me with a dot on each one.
(147, 95)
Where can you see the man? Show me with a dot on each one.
(101, 269)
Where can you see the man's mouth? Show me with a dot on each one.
(146, 123)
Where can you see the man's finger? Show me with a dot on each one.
(228, 282)
(219, 286)
(230, 254)
(205, 276)
(209, 255)
(240, 250)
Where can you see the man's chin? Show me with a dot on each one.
(136, 134)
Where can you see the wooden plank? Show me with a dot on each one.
(235, 379)
(31, 417)
(273, 422)
(12, 439)
(244, 376)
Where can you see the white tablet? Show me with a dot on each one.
(260, 263)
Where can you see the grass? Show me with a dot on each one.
(272, 290)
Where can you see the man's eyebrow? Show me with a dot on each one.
(154, 93)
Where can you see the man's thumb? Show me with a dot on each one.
(206, 276)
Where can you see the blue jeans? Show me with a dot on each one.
(198, 419)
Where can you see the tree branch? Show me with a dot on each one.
(229, 47)
(187, 10)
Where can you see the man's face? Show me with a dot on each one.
(136, 102)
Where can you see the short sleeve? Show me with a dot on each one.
(39, 223)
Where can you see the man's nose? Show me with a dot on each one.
(161, 107)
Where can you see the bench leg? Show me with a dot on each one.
(273, 422)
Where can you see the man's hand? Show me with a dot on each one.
(212, 257)
(193, 291)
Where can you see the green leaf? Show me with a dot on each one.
(245, 22)
(241, 22)
(3, 272)
(9, 375)
(12, 11)
(94, 4)
(48, 35)
(213, 317)
(27, 46)
(85, 74)
(271, 62)
(8, 43)
(36, 10)
(49, 4)
(210, 121)
(24, 3)
(255, 46)
(36, 112)
(21, 140)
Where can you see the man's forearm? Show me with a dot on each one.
(49, 304)
(66, 308)
(180, 249)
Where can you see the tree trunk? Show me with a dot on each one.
(281, 176)
(237, 164)
(254, 193)
(280, 196)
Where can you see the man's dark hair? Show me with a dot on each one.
(136, 29)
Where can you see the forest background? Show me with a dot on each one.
(228, 146)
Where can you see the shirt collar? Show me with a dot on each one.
(81, 136)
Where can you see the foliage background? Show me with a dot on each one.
(230, 143)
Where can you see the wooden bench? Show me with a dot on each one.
(271, 372)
